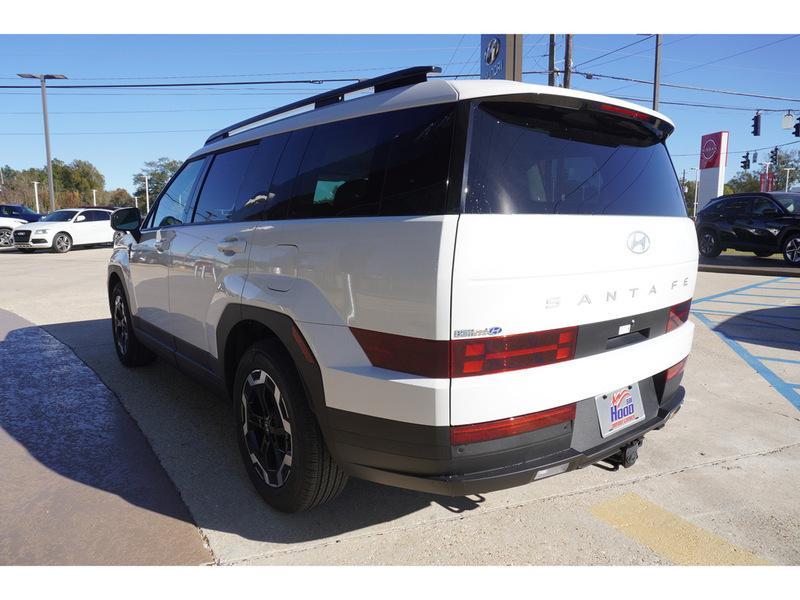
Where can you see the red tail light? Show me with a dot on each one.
(676, 369)
(462, 358)
(678, 315)
(482, 356)
(626, 111)
(492, 430)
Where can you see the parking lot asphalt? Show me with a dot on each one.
(718, 485)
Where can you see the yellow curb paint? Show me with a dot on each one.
(668, 535)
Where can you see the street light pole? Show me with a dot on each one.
(696, 185)
(94, 197)
(43, 77)
(147, 191)
(36, 194)
(787, 178)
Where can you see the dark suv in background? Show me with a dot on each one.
(758, 222)
(18, 211)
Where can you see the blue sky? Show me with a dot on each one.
(119, 130)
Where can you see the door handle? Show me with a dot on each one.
(231, 245)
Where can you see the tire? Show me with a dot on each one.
(278, 436)
(6, 239)
(130, 350)
(62, 243)
(763, 253)
(708, 243)
(791, 249)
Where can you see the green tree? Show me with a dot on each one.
(118, 197)
(158, 173)
(743, 181)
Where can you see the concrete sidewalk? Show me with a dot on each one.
(80, 484)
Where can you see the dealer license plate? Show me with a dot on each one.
(619, 409)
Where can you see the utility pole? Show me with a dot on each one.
(657, 71)
(36, 194)
(696, 185)
(147, 191)
(787, 177)
(94, 197)
(567, 59)
(42, 77)
(551, 63)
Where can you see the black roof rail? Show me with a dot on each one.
(381, 83)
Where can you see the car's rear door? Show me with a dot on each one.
(209, 254)
(765, 224)
(738, 216)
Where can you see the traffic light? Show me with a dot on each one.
(796, 132)
(757, 124)
(746, 161)
(773, 156)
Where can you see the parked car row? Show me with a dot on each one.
(60, 231)
(759, 222)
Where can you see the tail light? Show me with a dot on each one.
(633, 114)
(464, 358)
(508, 353)
(676, 369)
(678, 315)
(492, 430)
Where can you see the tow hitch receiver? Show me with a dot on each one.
(626, 456)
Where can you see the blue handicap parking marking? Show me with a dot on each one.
(738, 320)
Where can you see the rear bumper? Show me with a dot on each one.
(414, 457)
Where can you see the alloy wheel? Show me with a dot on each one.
(792, 250)
(266, 428)
(5, 238)
(707, 243)
(63, 243)
(120, 325)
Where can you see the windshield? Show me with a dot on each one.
(60, 216)
(529, 158)
(789, 202)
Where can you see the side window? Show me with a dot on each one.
(172, 205)
(761, 205)
(337, 176)
(283, 182)
(255, 201)
(735, 208)
(97, 215)
(219, 192)
(418, 160)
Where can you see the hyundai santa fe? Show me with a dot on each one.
(447, 286)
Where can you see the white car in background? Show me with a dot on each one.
(7, 225)
(63, 229)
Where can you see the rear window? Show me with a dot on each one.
(532, 159)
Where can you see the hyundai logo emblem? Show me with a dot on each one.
(638, 242)
(492, 51)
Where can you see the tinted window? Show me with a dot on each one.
(280, 191)
(790, 202)
(418, 159)
(172, 206)
(60, 216)
(219, 193)
(526, 158)
(97, 215)
(6, 211)
(338, 175)
(739, 206)
(255, 201)
(760, 205)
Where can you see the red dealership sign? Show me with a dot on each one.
(711, 150)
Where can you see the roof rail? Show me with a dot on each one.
(381, 83)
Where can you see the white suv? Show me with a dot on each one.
(448, 286)
(64, 229)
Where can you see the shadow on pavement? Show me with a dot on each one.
(777, 327)
(192, 434)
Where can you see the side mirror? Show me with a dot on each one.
(127, 220)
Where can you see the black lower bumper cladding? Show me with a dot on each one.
(421, 458)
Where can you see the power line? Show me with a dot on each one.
(642, 52)
(639, 41)
(449, 62)
(747, 150)
(704, 105)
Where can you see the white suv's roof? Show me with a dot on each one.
(435, 91)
